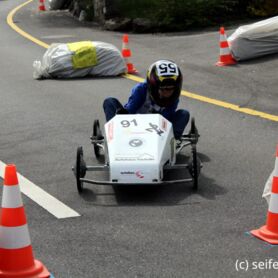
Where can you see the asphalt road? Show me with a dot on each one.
(139, 232)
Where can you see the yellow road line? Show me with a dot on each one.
(231, 106)
(20, 31)
(216, 102)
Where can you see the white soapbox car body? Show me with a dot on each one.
(138, 149)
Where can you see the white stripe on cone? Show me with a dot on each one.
(11, 197)
(273, 204)
(223, 38)
(275, 171)
(225, 51)
(126, 60)
(14, 237)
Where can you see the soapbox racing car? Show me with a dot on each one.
(139, 149)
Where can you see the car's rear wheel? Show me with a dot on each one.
(194, 134)
(98, 135)
(194, 167)
(80, 169)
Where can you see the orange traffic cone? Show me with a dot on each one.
(269, 232)
(16, 255)
(41, 5)
(126, 55)
(225, 57)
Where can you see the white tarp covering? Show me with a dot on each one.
(255, 40)
(80, 59)
(267, 187)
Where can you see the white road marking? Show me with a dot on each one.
(41, 197)
(57, 37)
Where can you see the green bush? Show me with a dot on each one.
(180, 13)
(263, 8)
(88, 6)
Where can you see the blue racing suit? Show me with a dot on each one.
(140, 102)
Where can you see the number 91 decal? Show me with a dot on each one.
(152, 127)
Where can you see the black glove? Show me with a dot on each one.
(121, 111)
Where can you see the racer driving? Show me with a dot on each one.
(150, 143)
(158, 94)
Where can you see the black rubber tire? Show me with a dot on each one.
(193, 126)
(195, 170)
(194, 167)
(194, 131)
(97, 133)
(80, 169)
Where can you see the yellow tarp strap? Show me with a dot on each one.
(85, 54)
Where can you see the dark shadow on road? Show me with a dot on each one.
(82, 78)
(88, 195)
(88, 77)
(259, 60)
(155, 195)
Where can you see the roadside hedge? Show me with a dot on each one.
(185, 14)
(263, 8)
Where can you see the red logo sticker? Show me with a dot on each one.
(139, 174)
(110, 131)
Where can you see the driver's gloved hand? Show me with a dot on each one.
(121, 111)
